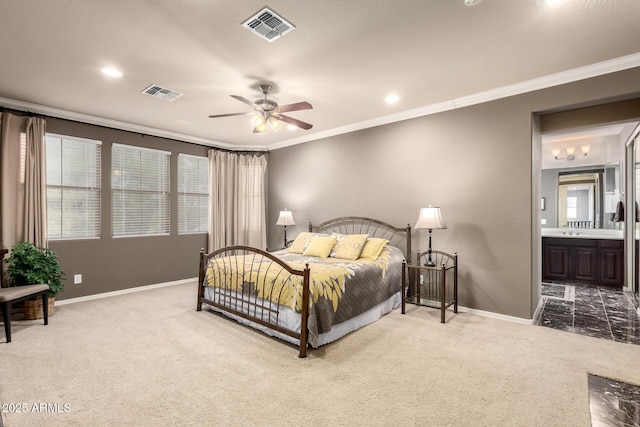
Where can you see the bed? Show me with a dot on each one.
(306, 294)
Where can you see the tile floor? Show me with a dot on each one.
(613, 403)
(604, 313)
(598, 312)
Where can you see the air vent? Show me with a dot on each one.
(162, 93)
(268, 25)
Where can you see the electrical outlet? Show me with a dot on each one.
(77, 279)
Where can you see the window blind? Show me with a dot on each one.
(73, 187)
(140, 191)
(193, 194)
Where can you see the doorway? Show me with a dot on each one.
(603, 149)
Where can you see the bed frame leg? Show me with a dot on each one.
(304, 331)
(201, 280)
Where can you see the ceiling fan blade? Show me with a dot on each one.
(230, 114)
(295, 122)
(245, 100)
(294, 107)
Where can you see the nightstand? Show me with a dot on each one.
(435, 287)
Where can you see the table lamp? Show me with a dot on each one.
(285, 218)
(430, 218)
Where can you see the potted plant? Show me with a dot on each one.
(30, 264)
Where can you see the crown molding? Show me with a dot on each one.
(115, 124)
(574, 75)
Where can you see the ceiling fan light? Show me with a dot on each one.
(259, 121)
(275, 123)
(262, 127)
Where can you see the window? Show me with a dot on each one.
(193, 194)
(572, 207)
(73, 187)
(140, 191)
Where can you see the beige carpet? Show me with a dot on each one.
(149, 359)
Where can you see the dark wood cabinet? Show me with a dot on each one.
(611, 262)
(595, 261)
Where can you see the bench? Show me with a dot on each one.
(8, 296)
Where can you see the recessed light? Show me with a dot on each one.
(111, 72)
(547, 3)
(472, 2)
(391, 99)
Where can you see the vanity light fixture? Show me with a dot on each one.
(571, 152)
(430, 218)
(285, 218)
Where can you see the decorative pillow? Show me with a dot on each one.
(320, 246)
(348, 246)
(372, 248)
(301, 242)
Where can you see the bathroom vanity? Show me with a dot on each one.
(585, 256)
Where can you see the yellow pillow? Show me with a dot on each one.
(301, 242)
(372, 248)
(320, 246)
(349, 246)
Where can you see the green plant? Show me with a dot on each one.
(30, 264)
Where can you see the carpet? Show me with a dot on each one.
(149, 359)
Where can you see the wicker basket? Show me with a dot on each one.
(32, 309)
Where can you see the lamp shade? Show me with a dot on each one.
(285, 218)
(430, 218)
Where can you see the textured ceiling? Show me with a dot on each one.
(343, 57)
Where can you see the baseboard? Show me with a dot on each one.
(495, 315)
(184, 281)
(124, 291)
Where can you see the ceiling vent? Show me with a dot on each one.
(268, 25)
(162, 93)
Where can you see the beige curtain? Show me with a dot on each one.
(23, 202)
(238, 200)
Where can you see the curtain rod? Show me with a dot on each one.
(20, 113)
(227, 150)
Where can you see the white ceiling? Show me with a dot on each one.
(344, 57)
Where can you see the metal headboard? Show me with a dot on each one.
(399, 237)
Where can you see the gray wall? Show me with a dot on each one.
(108, 264)
(477, 163)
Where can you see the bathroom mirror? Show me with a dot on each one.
(577, 198)
(580, 200)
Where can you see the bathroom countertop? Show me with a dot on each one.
(577, 233)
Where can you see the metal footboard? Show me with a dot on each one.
(255, 285)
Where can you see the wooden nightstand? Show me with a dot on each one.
(435, 287)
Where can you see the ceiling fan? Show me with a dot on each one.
(270, 113)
